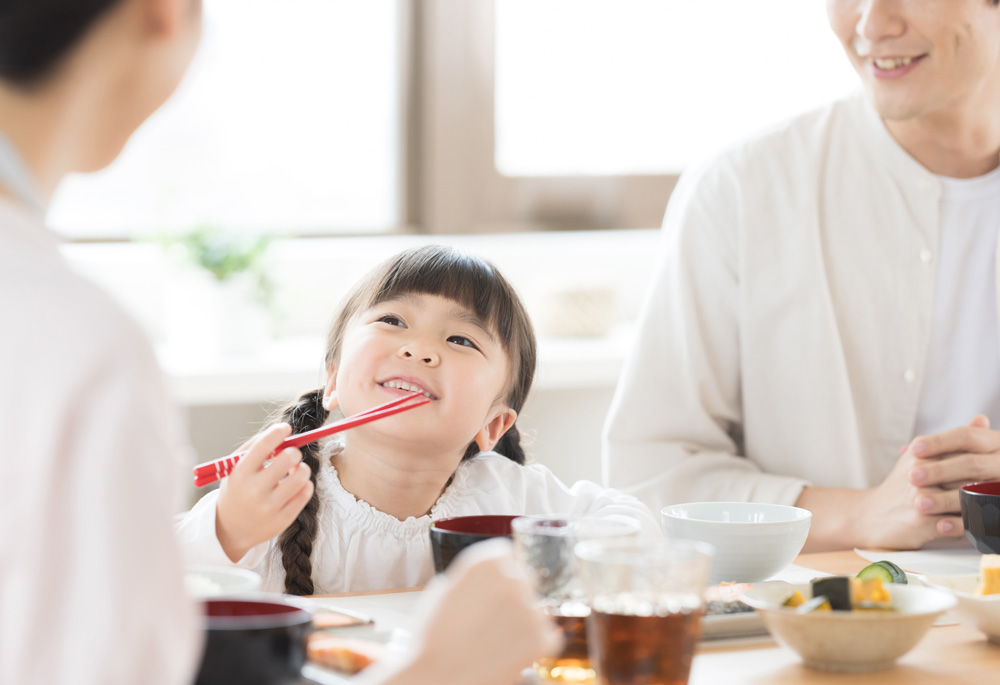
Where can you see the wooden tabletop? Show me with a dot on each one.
(947, 654)
(953, 654)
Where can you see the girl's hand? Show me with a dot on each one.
(257, 503)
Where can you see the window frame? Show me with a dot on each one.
(454, 186)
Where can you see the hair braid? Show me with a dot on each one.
(509, 445)
(296, 543)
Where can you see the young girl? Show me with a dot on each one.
(434, 321)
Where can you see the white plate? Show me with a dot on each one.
(982, 612)
(728, 626)
(219, 581)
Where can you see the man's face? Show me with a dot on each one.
(921, 58)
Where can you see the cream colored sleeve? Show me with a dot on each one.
(673, 431)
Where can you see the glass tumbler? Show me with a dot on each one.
(546, 544)
(646, 602)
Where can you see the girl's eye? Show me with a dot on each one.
(391, 319)
(462, 340)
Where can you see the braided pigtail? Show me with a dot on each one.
(296, 543)
(509, 445)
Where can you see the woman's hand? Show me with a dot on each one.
(257, 503)
(480, 624)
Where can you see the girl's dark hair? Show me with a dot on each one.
(36, 34)
(469, 281)
(296, 543)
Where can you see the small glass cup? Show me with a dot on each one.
(546, 544)
(646, 602)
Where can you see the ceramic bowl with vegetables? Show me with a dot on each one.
(977, 594)
(850, 625)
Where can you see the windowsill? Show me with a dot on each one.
(571, 282)
(283, 368)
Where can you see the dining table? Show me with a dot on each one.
(949, 653)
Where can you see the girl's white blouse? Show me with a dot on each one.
(361, 548)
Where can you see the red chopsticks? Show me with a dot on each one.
(211, 471)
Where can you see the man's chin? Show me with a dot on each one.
(894, 107)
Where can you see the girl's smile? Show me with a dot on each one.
(407, 386)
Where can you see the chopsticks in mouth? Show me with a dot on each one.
(211, 471)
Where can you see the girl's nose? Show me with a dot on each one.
(421, 354)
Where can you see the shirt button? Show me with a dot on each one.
(909, 375)
(925, 256)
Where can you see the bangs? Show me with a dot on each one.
(464, 279)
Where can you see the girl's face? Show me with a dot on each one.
(432, 345)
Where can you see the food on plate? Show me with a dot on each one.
(724, 598)
(989, 575)
(843, 593)
(345, 654)
(886, 570)
(338, 619)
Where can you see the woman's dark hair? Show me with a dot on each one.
(36, 34)
(433, 270)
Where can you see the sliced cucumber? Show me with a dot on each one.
(886, 570)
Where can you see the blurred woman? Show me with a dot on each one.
(90, 578)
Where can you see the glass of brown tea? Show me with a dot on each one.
(646, 602)
(546, 544)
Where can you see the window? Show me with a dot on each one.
(288, 122)
(309, 117)
(581, 113)
(593, 87)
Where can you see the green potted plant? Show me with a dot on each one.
(221, 300)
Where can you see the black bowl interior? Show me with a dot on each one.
(253, 642)
(492, 525)
(987, 488)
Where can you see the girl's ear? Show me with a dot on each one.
(490, 434)
(330, 400)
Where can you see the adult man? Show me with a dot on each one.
(828, 291)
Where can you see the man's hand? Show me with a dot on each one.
(886, 516)
(916, 503)
(943, 462)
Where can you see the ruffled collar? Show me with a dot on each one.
(340, 502)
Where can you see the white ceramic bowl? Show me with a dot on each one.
(219, 581)
(982, 612)
(752, 541)
(850, 641)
